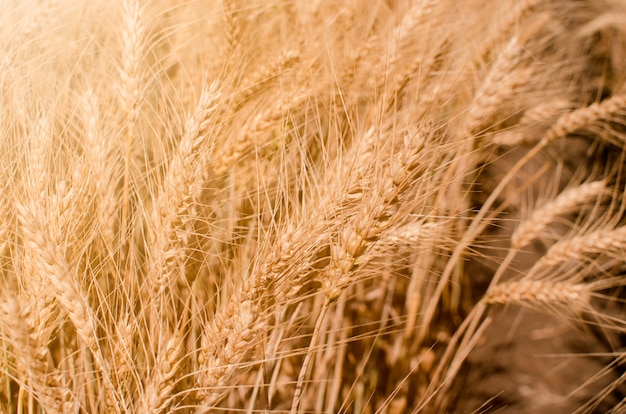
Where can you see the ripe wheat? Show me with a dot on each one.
(310, 206)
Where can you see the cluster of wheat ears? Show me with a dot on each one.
(310, 206)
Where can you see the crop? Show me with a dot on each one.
(312, 206)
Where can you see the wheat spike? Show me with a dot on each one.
(536, 291)
(567, 202)
(583, 117)
(175, 206)
(607, 242)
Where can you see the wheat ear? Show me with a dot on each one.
(533, 122)
(52, 269)
(227, 342)
(28, 323)
(376, 208)
(247, 139)
(415, 235)
(569, 201)
(545, 111)
(130, 92)
(163, 378)
(587, 116)
(375, 213)
(503, 80)
(234, 25)
(47, 219)
(539, 291)
(175, 206)
(123, 352)
(98, 164)
(521, 10)
(609, 242)
(259, 80)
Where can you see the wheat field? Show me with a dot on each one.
(320, 206)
